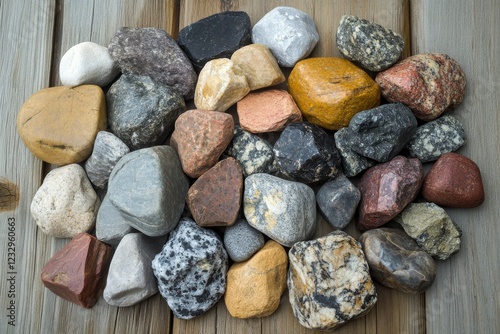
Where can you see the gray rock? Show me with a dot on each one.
(242, 241)
(191, 269)
(283, 210)
(352, 162)
(110, 226)
(148, 188)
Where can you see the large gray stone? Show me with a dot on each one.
(111, 226)
(242, 240)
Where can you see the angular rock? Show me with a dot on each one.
(283, 210)
(78, 270)
(111, 226)
(191, 270)
(352, 162)
(329, 281)
(242, 241)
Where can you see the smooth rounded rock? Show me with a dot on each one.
(242, 241)
(111, 226)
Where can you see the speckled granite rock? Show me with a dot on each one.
(329, 282)
(242, 241)
(111, 226)
(352, 162)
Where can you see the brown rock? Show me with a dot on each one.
(386, 189)
(199, 138)
(78, 270)
(254, 287)
(59, 124)
(454, 181)
(215, 198)
(267, 111)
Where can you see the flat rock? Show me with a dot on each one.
(111, 226)
(352, 162)
(242, 241)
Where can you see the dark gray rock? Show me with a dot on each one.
(352, 162)
(111, 226)
(242, 241)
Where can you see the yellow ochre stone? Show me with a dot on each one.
(330, 91)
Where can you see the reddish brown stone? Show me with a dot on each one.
(77, 271)
(428, 83)
(215, 198)
(454, 181)
(200, 137)
(386, 189)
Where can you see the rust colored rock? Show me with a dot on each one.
(386, 189)
(78, 270)
(428, 83)
(454, 181)
(267, 111)
(200, 137)
(215, 198)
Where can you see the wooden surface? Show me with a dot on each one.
(464, 298)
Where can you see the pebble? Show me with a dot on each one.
(200, 137)
(78, 270)
(148, 187)
(376, 48)
(428, 83)
(352, 162)
(254, 287)
(329, 281)
(65, 204)
(289, 33)
(386, 189)
(431, 227)
(215, 36)
(304, 152)
(337, 201)
(433, 139)
(59, 124)
(283, 210)
(111, 226)
(191, 270)
(454, 181)
(242, 241)
(396, 261)
(330, 91)
(87, 63)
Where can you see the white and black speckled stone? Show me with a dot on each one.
(374, 47)
(431, 140)
(110, 226)
(242, 241)
(352, 162)
(191, 269)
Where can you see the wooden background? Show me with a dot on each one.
(33, 36)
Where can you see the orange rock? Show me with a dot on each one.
(330, 91)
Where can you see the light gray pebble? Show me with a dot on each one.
(242, 241)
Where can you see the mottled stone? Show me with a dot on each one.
(428, 83)
(154, 53)
(148, 187)
(191, 270)
(215, 36)
(329, 281)
(200, 137)
(433, 139)
(59, 124)
(289, 33)
(454, 181)
(111, 226)
(283, 210)
(396, 261)
(254, 287)
(65, 204)
(78, 270)
(304, 152)
(431, 227)
(330, 91)
(386, 189)
(352, 162)
(242, 241)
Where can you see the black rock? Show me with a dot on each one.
(352, 163)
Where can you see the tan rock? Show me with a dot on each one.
(254, 287)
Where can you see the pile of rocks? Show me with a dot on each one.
(187, 193)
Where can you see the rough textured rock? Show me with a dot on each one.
(396, 261)
(254, 287)
(65, 204)
(59, 124)
(78, 270)
(242, 241)
(330, 91)
(454, 181)
(283, 210)
(191, 270)
(352, 162)
(428, 83)
(111, 226)
(329, 282)
(153, 52)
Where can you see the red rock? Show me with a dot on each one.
(386, 189)
(200, 137)
(428, 83)
(267, 111)
(77, 271)
(454, 181)
(215, 198)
